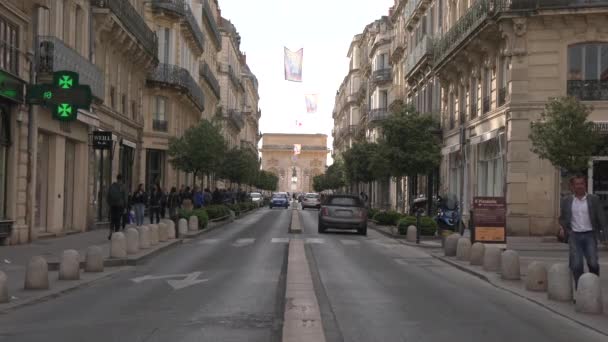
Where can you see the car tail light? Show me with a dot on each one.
(324, 212)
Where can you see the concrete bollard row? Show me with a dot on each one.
(536, 278)
(491, 259)
(153, 234)
(463, 249)
(193, 223)
(118, 245)
(3, 288)
(94, 259)
(144, 237)
(37, 274)
(559, 283)
(509, 265)
(182, 226)
(170, 230)
(132, 236)
(589, 295)
(477, 253)
(163, 234)
(411, 234)
(69, 266)
(451, 242)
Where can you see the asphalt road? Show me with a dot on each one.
(375, 289)
(242, 300)
(369, 289)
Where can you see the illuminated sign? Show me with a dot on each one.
(63, 97)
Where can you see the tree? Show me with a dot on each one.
(240, 166)
(319, 183)
(564, 136)
(267, 180)
(199, 150)
(332, 179)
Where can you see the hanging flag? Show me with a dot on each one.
(297, 148)
(293, 65)
(311, 103)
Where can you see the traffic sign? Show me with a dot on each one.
(64, 96)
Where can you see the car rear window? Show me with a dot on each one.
(312, 196)
(279, 196)
(344, 201)
(256, 195)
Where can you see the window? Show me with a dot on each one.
(123, 104)
(487, 89)
(134, 110)
(503, 73)
(451, 110)
(79, 31)
(9, 47)
(383, 99)
(112, 97)
(454, 174)
(154, 167)
(382, 61)
(473, 91)
(588, 71)
(462, 105)
(164, 44)
(66, 23)
(490, 169)
(159, 121)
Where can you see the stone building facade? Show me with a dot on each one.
(153, 70)
(295, 172)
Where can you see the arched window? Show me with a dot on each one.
(588, 71)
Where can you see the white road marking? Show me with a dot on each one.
(350, 242)
(189, 279)
(280, 240)
(314, 240)
(208, 241)
(243, 242)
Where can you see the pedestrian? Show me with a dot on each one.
(180, 194)
(117, 200)
(163, 201)
(198, 197)
(154, 204)
(173, 203)
(216, 196)
(364, 198)
(582, 220)
(139, 199)
(207, 197)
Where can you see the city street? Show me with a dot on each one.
(228, 285)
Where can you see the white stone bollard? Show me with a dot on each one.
(411, 234)
(491, 259)
(153, 234)
(94, 259)
(69, 267)
(163, 234)
(589, 295)
(463, 249)
(37, 274)
(536, 277)
(509, 265)
(3, 288)
(170, 230)
(132, 240)
(559, 283)
(478, 250)
(182, 226)
(193, 223)
(451, 242)
(118, 246)
(144, 237)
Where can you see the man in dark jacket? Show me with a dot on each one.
(583, 223)
(117, 200)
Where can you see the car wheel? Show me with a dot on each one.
(362, 231)
(270, 207)
(321, 229)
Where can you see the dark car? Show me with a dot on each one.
(279, 199)
(343, 212)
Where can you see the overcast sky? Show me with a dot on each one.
(324, 28)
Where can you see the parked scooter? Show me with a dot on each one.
(448, 214)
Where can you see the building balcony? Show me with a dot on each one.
(413, 9)
(556, 4)
(398, 45)
(382, 75)
(180, 78)
(236, 81)
(207, 74)
(53, 55)
(131, 20)
(378, 114)
(209, 17)
(588, 90)
(421, 53)
(182, 8)
(236, 118)
(160, 125)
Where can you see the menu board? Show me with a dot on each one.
(489, 215)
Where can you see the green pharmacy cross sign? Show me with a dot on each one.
(63, 97)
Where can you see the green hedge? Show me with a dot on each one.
(428, 226)
(217, 211)
(203, 218)
(371, 212)
(387, 218)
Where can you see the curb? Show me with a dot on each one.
(518, 294)
(401, 240)
(8, 307)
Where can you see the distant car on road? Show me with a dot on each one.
(311, 200)
(256, 198)
(343, 212)
(279, 199)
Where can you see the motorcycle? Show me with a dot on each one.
(448, 214)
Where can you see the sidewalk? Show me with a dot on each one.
(391, 231)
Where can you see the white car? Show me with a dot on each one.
(311, 200)
(256, 198)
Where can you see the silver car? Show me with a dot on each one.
(311, 200)
(343, 212)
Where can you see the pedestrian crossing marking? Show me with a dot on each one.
(243, 242)
(350, 242)
(314, 240)
(280, 240)
(208, 241)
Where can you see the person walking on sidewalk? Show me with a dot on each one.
(582, 220)
(173, 203)
(139, 198)
(117, 200)
(155, 198)
(163, 201)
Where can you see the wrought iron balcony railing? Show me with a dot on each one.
(132, 21)
(182, 8)
(236, 118)
(53, 55)
(179, 77)
(588, 90)
(382, 75)
(207, 74)
(422, 50)
(549, 4)
(160, 125)
(210, 18)
(378, 114)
